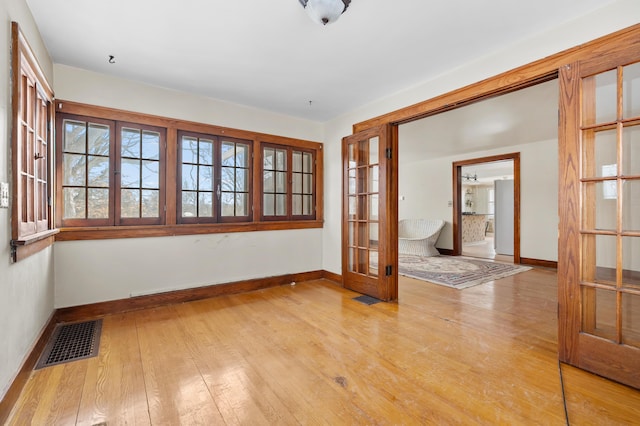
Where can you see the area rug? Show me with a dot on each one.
(455, 271)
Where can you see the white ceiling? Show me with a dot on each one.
(526, 116)
(268, 53)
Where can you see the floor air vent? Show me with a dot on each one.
(367, 300)
(70, 342)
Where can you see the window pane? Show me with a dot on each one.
(268, 204)
(150, 174)
(74, 137)
(74, 203)
(296, 161)
(631, 319)
(600, 153)
(268, 182)
(227, 179)
(599, 259)
(296, 205)
(281, 160)
(206, 152)
(307, 187)
(631, 150)
(281, 182)
(631, 262)
(98, 171)
(150, 145)
(98, 203)
(130, 203)
(189, 177)
(297, 183)
(205, 174)
(307, 162)
(281, 205)
(98, 139)
(189, 206)
(242, 155)
(74, 169)
(205, 204)
(189, 149)
(242, 180)
(130, 174)
(269, 159)
(242, 204)
(130, 143)
(307, 205)
(150, 203)
(227, 205)
(631, 90)
(599, 312)
(599, 101)
(631, 206)
(602, 213)
(228, 154)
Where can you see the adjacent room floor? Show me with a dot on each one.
(309, 354)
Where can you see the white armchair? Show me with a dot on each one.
(418, 236)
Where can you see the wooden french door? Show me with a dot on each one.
(599, 246)
(370, 213)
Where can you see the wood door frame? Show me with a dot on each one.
(457, 196)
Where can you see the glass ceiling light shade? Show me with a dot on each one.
(325, 11)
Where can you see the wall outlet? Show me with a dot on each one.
(4, 195)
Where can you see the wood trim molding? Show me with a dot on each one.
(336, 278)
(536, 72)
(446, 252)
(10, 398)
(94, 310)
(539, 262)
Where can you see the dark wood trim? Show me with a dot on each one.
(10, 398)
(457, 194)
(22, 251)
(111, 232)
(94, 310)
(336, 278)
(539, 262)
(445, 252)
(536, 72)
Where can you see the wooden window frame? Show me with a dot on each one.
(31, 118)
(217, 216)
(289, 182)
(172, 224)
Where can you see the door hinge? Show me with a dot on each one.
(388, 153)
(388, 270)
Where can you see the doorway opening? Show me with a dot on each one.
(486, 208)
(487, 202)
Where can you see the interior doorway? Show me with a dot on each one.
(486, 208)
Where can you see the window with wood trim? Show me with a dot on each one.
(288, 183)
(110, 173)
(124, 174)
(214, 178)
(32, 118)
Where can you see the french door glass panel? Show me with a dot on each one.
(363, 215)
(610, 180)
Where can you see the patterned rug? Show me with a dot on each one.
(455, 271)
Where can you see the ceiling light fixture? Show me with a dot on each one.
(325, 11)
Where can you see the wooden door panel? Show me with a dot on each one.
(369, 223)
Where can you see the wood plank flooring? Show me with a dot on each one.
(309, 354)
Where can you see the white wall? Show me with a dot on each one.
(615, 16)
(96, 271)
(26, 287)
(427, 188)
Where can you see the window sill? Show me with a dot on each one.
(111, 232)
(25, 247)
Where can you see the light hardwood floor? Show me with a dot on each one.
(309, 354)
